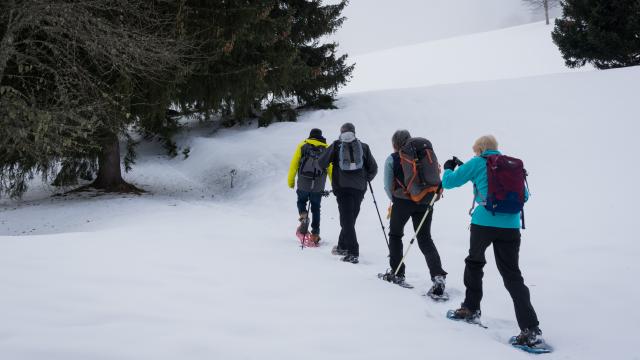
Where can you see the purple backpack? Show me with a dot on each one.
(507, 180)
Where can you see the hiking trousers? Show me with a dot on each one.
(349, 201)
(315, 198)
(506, 248)
(401, 211)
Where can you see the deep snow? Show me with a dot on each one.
(199, 270)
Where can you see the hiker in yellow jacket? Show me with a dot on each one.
(311, 179)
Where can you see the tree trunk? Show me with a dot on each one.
(109, 172)
(546, 10)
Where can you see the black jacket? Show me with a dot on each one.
(349, 179)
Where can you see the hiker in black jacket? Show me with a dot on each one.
(353, 168)
(405, 208)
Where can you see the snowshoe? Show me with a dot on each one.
(315, 239)
(350, 259)
(337, 251)
(529, 341)
(302, 232)
(466, 315)
(307, 240)
(398, 280)
(437, 292)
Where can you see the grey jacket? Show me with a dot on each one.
(349, 179)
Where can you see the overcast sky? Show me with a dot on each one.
(381, 24)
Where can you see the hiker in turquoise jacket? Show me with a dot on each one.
(500, 230)
(475, 170)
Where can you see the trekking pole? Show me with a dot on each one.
(415, 236)
(384, 232)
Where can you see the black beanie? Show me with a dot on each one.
(316, 134)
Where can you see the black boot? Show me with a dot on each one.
(467, 315)
(528, 337)
(350, 259)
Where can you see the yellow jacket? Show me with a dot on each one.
(295, 161)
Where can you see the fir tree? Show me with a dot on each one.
(76, 77)
(67, 73)
(605, 33)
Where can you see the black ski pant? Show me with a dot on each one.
(506, 248)
(349, 201)
(315, 198)
(401, 211)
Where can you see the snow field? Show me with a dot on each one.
(521, 51)
(170, 276)
(197, 269)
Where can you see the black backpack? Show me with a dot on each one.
(309, 166)
(420, 169)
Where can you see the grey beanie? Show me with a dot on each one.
(400, 138)
(347, 127)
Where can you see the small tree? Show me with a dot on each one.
(605, 33)
(543, 4)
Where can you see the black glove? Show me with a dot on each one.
(450, 165)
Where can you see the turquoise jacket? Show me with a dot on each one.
(388, 177)
(475, 170)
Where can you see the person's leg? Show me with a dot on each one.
(348, 223)
(481, 237)
(506, 250)
(358, 196)
(341, 198)
(425, 242)
(303, 196)
(315, 199)
(400, 213)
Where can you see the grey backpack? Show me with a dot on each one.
(350, 155)
(309, 166)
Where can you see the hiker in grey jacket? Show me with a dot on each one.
(353, 168)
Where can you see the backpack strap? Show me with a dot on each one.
(526, 184)
(477, 193)
(352, 157)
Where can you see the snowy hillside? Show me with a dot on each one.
(520, 51)
(197, 269)
(374, 25)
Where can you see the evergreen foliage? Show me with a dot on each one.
(68, 70)
(605, 33)
(75, 77)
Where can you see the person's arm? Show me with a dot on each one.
(388, 177)
(453, 179)
(327, 157)
(371, 165)
(293, 167)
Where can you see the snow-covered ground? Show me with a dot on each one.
(381, 24)
(197, 269)
(520, 51)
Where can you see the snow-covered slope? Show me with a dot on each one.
(173, 275)
(373, 25)
(515, 52)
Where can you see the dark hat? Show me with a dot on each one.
(348, 127)
(315, 134)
